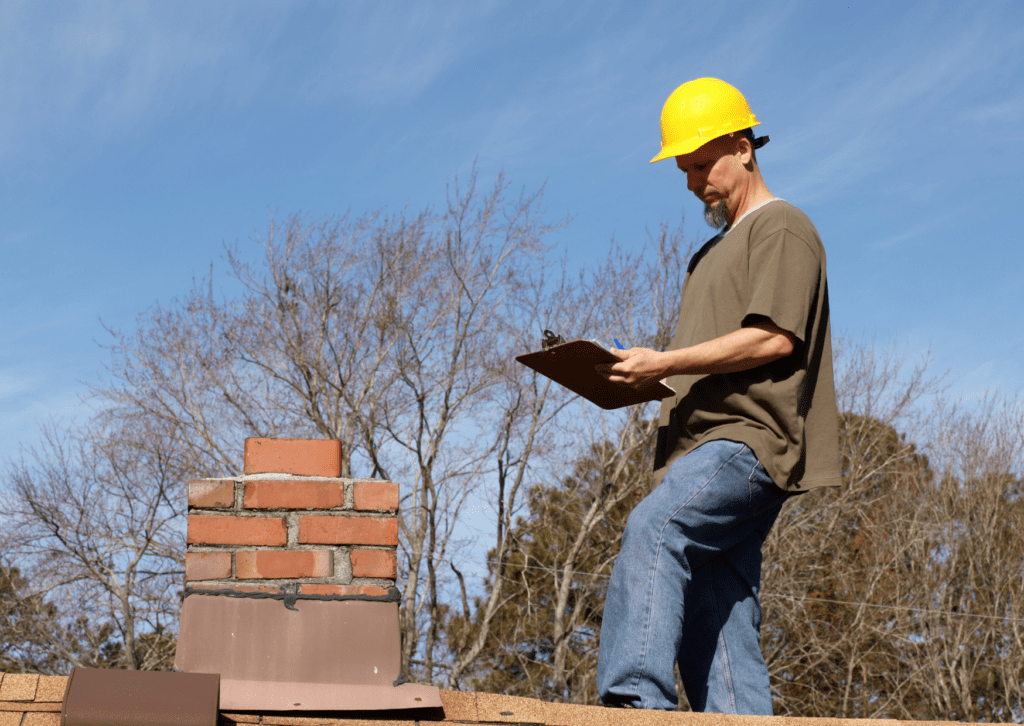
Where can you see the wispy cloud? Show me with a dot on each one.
(388, 53)
(14, 382)
(596, 95)
(72, 71)
(30, 403)
(911, 88)
(928, 225)
(21, 428)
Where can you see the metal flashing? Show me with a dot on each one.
(262, 696)
(102, 697)
(322, 653)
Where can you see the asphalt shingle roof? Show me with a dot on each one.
(32, 700)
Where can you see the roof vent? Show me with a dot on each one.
(290, 585)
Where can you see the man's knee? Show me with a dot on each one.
(647, 518)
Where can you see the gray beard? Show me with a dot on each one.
(717, 216)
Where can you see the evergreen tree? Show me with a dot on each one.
(836, 562)
(36, 637)
(541, 645)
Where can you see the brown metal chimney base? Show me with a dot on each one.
(298, 653)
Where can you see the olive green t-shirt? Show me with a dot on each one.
(771, 264)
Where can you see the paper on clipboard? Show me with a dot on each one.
(572, 365)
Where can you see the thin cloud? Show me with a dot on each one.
(922, 227)
(99, 69)
(23, 423)
(14, 382)
(598, 91)
(1006, 114)
(387, 53)
(860, 120)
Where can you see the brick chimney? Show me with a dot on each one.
(291, 521)
(290, 585)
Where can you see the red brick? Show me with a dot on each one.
(306, 457)
(343, 590)
(291, 494)
(374, 563)
(208, 493)
(348, 530)
(208, 529)
(380, 496)
(271, 564)
(207, 565)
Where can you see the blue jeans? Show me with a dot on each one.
(684, 588)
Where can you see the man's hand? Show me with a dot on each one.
(636, 367)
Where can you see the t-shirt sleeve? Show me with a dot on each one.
(783, 276)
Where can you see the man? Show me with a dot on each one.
(753, 421)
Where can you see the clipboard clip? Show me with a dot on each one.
(550, 340)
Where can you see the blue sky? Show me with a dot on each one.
(137, 138)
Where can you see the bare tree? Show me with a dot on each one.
(900, 595)
(393, 334)
(97, 524)
(968, 640)
(835, 558)
(450, 419)
(635, 296)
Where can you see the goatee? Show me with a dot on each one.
(717, 215)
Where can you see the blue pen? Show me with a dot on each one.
(618, 344)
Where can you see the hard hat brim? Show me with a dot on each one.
(692, 144)
(685, 147)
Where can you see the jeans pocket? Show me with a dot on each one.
(762, 490)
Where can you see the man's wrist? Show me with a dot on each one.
(674, 362)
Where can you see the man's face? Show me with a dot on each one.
(712, 174)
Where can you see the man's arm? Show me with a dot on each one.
(740, 350)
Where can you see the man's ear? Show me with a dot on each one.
(744, 151)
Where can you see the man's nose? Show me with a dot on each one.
(693, 182)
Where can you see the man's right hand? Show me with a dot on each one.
(637, 366)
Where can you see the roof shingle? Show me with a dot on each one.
(31, 700)
(18, 687)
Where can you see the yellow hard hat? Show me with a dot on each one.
(699, 111)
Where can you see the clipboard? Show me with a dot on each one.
(572, 365)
